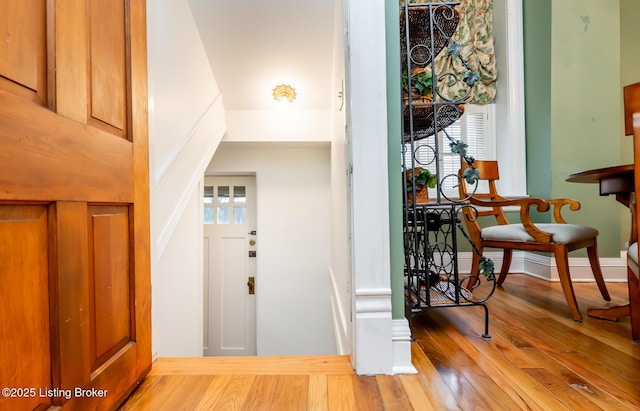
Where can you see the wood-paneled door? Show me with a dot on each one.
(74, 205)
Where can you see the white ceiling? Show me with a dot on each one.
(253, 45)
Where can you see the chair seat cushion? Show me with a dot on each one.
(632, 253)
(561, 233)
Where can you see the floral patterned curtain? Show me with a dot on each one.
(469, 55)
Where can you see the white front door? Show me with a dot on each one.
(229, 266)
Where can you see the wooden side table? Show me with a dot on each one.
(618, 181)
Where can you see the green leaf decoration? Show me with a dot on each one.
(459, 147)
(471, 77)
(454, 48)
(471, 175)
(486, 266)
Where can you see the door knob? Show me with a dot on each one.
(251, 285)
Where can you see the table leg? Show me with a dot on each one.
(611, 313)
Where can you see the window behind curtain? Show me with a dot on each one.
(474, 128)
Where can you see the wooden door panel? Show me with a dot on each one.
(93, 300)
(24, 317)
(110, 278)
(50, 157)
(108, 386)
(115, 379)
(70, 315)
(69, 155)
(107, 56)
(23, 66)
(70, 46)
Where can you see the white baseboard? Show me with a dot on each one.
(401, 339)
(544, 266)
(374, 311)
(372, 348)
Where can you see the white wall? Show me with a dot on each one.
(279, 125)
(186, 123)
(340, 269)
(293, 218)
(177, 287)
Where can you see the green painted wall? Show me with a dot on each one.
(537, 68)
(572, 83)
(395, 162)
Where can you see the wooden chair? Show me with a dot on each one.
(558, 238)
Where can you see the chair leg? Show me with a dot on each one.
(506, 263)
(634, 304)
(562, 262)
(592, 251)
(475, 269)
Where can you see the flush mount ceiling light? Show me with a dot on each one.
(284, 92)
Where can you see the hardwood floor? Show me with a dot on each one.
(538, 359)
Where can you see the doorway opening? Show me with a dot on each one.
(230, 252)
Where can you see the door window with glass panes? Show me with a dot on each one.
(225, 204)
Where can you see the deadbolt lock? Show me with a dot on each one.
(252, 286)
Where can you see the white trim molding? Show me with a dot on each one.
(509, 102)
(401, 337)
(366, 138)
(172, 190)
(613, 269)
(544, 266)
(372, 340)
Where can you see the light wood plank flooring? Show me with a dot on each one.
(538, 359)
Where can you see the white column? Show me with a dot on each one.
(372, 351)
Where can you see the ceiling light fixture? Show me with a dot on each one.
(284, 92)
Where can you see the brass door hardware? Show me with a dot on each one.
(252, 286)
